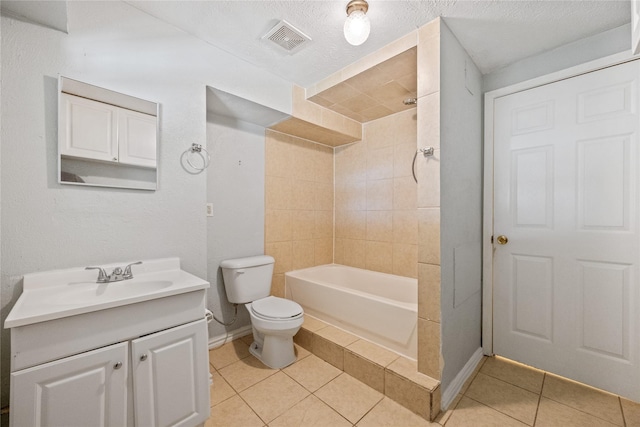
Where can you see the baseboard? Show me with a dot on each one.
(219, 340)
(454, 388)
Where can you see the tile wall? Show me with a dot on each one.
(298, 204)
(376, 224)
(429, 200)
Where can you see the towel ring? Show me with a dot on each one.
(197, 148)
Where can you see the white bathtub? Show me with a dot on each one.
(378, 307)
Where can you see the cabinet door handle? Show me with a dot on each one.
(143, 357)
(117, 365)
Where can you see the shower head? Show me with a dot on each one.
(410, 101)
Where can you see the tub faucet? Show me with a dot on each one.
(116, 275)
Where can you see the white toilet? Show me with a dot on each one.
(274, 320)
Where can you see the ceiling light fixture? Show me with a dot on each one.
(357, 26)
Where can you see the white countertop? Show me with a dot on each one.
(62, 293)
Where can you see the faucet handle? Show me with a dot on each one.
(127, 270)
(102, 276)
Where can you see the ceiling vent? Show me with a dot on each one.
(287, 37)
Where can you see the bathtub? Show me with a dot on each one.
(381, 308)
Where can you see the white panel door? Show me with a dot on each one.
(90, 129)
(566, 291)
(88, 389)
(171, 377)
(136, 138)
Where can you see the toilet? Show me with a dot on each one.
(274, 320)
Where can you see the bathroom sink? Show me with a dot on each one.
(62, 293)
(91, 292)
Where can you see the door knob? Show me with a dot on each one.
(502, 240)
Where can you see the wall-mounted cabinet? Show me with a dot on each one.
(106, 138)
(97, 131)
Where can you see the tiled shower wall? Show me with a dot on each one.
(376, 203)
(298, 204)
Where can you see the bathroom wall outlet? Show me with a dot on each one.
(209, 209)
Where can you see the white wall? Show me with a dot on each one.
(47, 226)
(235, 186)
(461, 205)
(581, 51)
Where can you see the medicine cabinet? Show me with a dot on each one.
(106, 138)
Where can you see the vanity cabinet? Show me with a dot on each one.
(170, 372)
(167, 373)
(125, 353)
(99, 131)
(88, 389)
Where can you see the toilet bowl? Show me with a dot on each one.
(274, 320)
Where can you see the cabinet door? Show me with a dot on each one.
(88, 389)
(171, 377)
(137, 138)
(89, 129)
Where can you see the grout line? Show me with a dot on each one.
(624, 419)
(497, 410)
(535, 417)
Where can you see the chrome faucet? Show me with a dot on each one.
(116, 275)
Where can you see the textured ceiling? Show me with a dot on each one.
(494, 32)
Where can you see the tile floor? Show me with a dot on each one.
(311, 392)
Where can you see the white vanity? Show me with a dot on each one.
(125, 353)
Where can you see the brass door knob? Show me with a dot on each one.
(502, 240)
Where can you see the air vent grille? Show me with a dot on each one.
(287, 37)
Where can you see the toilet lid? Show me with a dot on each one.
(276, 308)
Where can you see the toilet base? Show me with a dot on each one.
(276, 351)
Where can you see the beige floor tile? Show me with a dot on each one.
(228, 353)
(245, 373)
(349, 397)
(514, 401)
(444, 416)
(312, 324)
(584, 398)
(409, 369)
(388, 413)
(631, 412)
(233, 412)
(372, 352)
(471, 413)
(301, 352)
(514, 373)
(337, 336)
(312, 372)
(220, 390)
(554, 414)
(274, 396)
(247, 339)
(309, 413)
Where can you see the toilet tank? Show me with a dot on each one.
(247, 279)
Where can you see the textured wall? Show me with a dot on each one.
(48, 226)
(461, 205)
(298, 206)
(376, 211)
(235, 187)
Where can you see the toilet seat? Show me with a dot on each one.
(274, 308)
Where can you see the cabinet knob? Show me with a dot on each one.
(143, 357)
(117, 365)
(115, 159)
